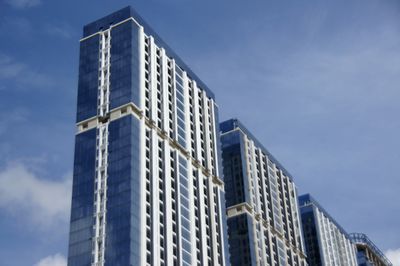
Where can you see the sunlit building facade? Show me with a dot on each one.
(261, 198)
(327, 243)
(147, 186)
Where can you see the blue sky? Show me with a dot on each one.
(316, 81)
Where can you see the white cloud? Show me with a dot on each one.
(55, 260)
(394, 256)
(23, 3)
(45, 202)
(22, 74)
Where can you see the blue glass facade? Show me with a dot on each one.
(123, 231)
(310, 236)
(129, 12)
(105, 22)
(240, 238)
(124, 69)
(81, 225)
(235, 177)
(125, 62)
(133, 199)
(88, 79)
(123, 193)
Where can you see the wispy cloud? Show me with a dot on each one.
(21, 26)
(24, 28)
(64, 30)
(22, 74)
(45, 202)
(54, 260)
(12, 117)
(394, 256)
(20, 4)
(325, 92)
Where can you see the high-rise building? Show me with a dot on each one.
(262, 209)
(147, 186)
(327, 243)
(368, 254)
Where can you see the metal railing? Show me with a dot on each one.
(360, 238)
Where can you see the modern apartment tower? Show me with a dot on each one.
(368, 254)
(147, 186)
(261, 199)
(327, 243)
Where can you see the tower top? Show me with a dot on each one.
(130, 13)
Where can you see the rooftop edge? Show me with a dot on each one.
(129, 12)
(307, 198)
(234, 123)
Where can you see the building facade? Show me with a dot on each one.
(147, 186)
(368, 254)
(327, 243)
(261, 199)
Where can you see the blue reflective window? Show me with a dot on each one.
(234, 174)
(240, 240)
(88, 78)
(180, 110)
(79, 252)
(178, 71)
(123, 192)
(184, 211)
(179, 97)
(124, 69)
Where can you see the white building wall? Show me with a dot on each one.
(336, 247)
(203, 163)
(263, 182)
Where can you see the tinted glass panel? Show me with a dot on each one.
(80, 242)
(88, 78)
(123, 193)
(124, 71)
